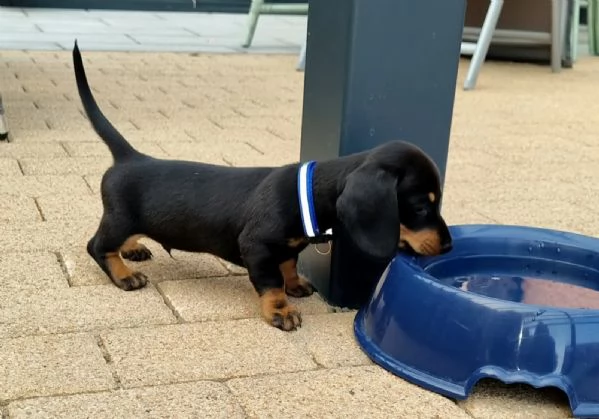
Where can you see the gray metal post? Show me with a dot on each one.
(375, 71)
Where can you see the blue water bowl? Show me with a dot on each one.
(517, 304)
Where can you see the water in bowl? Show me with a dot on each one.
(529, 290)
(541, 282)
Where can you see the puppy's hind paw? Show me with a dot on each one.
(138, 254)
(299, 288)
(132, 282)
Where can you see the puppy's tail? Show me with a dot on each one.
(119, 147)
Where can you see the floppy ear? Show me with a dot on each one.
(367, 207)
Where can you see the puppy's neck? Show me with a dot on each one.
(328, 182)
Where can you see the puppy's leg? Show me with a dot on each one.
(295, 285)
(105, 247)
(134, 251)
(268, 282)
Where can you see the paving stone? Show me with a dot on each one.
(31, 45)
(462, 212)
(9, 167)
(55, 136)
(51, 365)
(364, 392)
(18, 150)
(206, 399)
(211, 350)
(36, 186)
(67, 38)
(494, 191)
(98, 148)
(47, 236)
(540, 213)
(494, 400)
(330, 340)
(18, 208)
(83, 270)
(238, 153)
(57, 207)
(39, 270)
(198, 152)
(224, 298)
(66, 165)
(46, 311)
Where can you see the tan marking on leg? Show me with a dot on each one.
(432, 197)
(277, 311)
(295, 285)
(297, 242)
(116, 266)
(122, 276)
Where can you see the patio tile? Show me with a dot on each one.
(204, 398)
(330, 340)
(99, 149)
(539, 213)
(366, 392)
(211, 350)
(85, 271)
(494, 400)
(67, 38)
(50, 311)
(66, 165)
(31, 45)
(21, 149)
(49, 365)
(16, 271)
(18, 208)
(131, 46)
(60, 206)
(46, 236)
(36, 186)
(9, 167)
(224, 298)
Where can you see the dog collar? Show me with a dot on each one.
(306, 200)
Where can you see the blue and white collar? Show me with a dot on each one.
(306, 200)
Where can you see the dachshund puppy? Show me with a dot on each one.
(387, 198)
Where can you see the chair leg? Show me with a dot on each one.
(482, 45)
(301, 64)
(557, 14)
(574, 26)
(593, 26)
(254, 14)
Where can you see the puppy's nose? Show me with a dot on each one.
(446, 247)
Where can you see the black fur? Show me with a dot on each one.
(251, 216)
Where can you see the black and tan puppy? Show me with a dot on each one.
(251, 216)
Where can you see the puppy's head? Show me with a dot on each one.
(392, 201)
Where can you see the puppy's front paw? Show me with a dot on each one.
(138, 254)
(277, 311)
(299, 288)
(132, 282)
